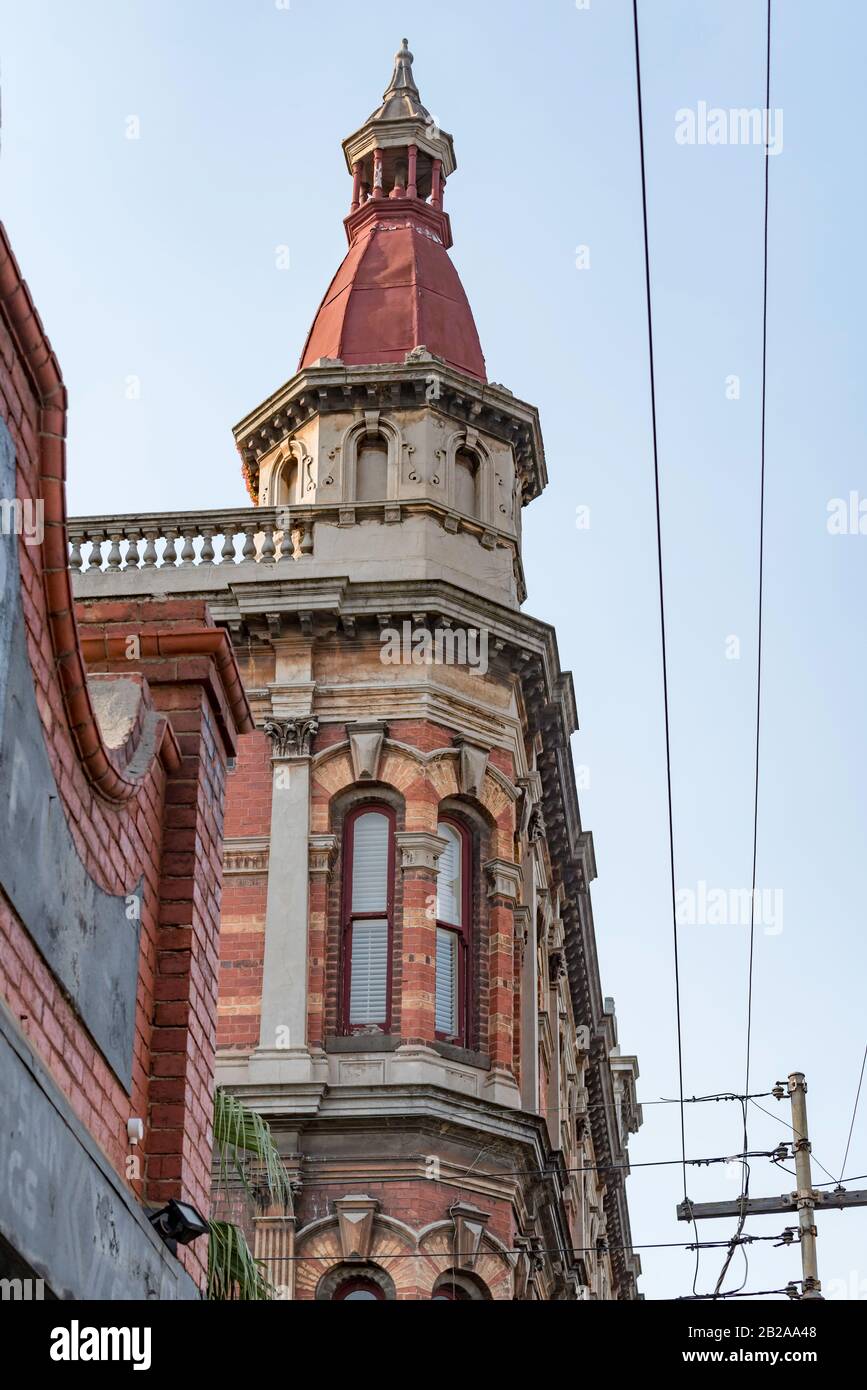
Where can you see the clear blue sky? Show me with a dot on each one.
(155, 258)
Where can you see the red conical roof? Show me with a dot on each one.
(396, 290)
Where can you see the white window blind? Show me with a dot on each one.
(370, 863)
(447, 983)
(369, 972)
(449, 876)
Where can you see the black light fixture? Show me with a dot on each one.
(178, 1224)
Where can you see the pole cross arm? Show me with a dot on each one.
(767, 1206)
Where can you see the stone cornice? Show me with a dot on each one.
(336, 387)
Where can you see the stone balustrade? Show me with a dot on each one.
(251, 535)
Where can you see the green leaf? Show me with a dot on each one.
(239, 1135)
(233, 1273)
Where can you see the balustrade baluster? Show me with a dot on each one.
(149, 558)
(170, 554)
(114, 556)
(268, 553)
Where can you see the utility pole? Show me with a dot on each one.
(810, 1285)
(805, 1200)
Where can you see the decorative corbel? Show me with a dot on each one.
(365, 745)
(469, 1228)
(355, 1217)
(536, 825)
(531, 794)
(473, 765)
(523, 922)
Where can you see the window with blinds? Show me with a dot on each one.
(449, 876)
(447, 983)
(370, 862)
(368, 972)
(451, 940)
(368, 940)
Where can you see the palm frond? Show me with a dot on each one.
(241, 1134)
(233, 1272)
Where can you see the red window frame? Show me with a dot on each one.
(348, 917)
(462, 932)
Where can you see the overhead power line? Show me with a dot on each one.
(391, 1175)
(602, 1249)
(661, 580)
(745, 1181)
(782, 1120)
(854, 1113)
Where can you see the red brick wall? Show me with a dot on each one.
(165, 828)
(416, 806)
(242, 929)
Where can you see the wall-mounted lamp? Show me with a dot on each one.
(178, 1224)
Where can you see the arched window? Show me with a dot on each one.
(285, 491)
(454, 907)
(366, 1283)
(371, 470)
(358, 1291)
(368, 879)
(454, 1287)
(466, 483)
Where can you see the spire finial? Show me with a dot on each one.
(402, 79)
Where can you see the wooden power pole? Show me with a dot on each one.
(805, 1200)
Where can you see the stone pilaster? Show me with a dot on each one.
(283, 1034)
(274, 1245)
(504, 889)
(322, 851)
(419, 853)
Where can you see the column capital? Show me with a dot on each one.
(323, 849)
(291, 738)
(504, 879)
(523, 923)
(420, 849)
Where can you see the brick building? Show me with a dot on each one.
(409, 988)
(115, 731)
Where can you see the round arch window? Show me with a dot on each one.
(453, 1287)
(358, 1291)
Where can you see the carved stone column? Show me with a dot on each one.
(283, 1035)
